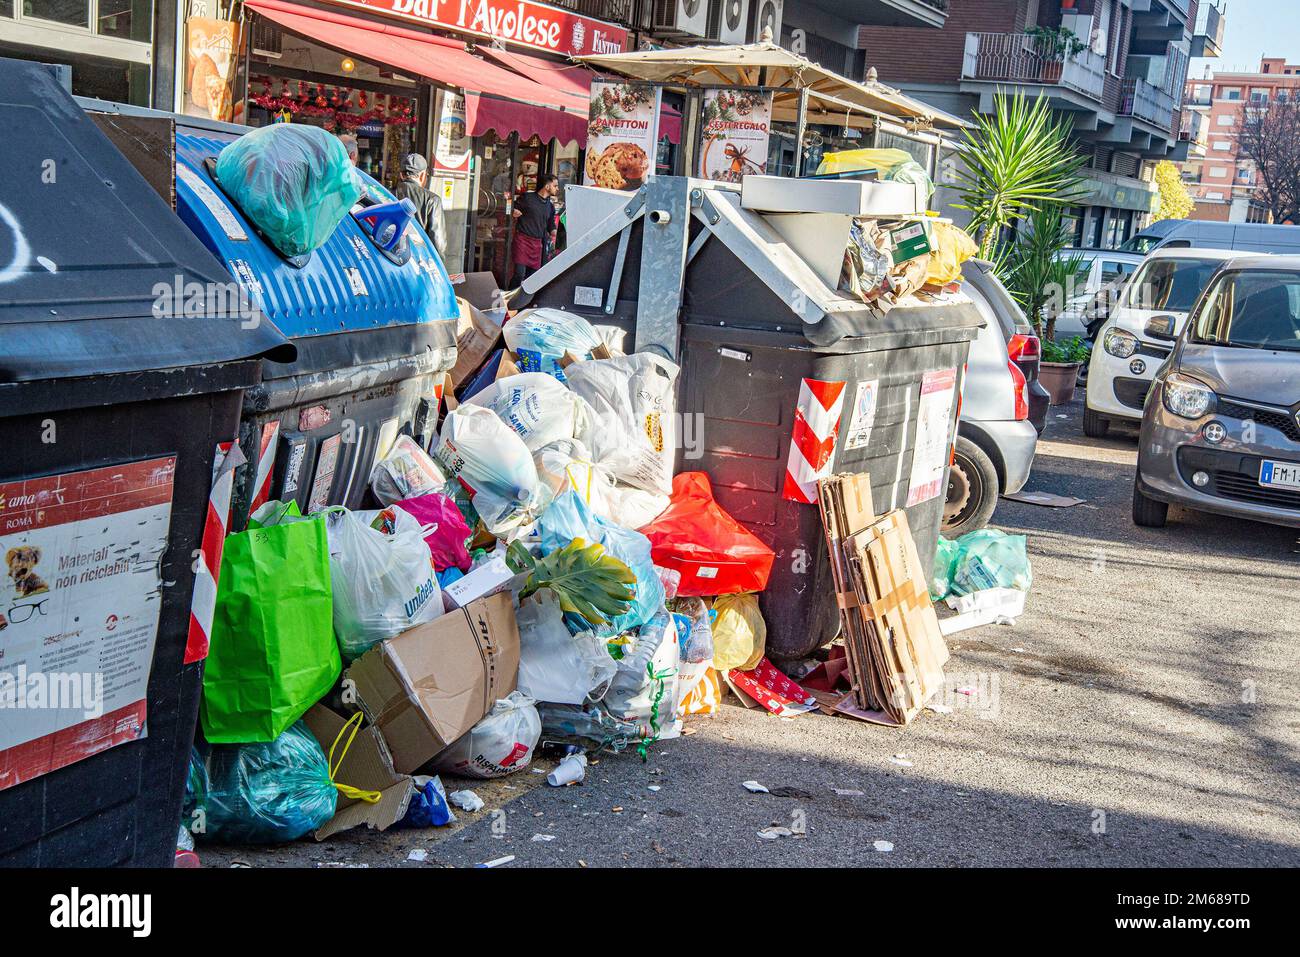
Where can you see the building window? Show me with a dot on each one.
(1223, 145)
(1232, 93)
(1218, 171)
(125, 19)
(73, 13)
(1227, 119)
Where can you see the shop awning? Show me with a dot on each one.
(483, 113)
(440, 59)
(562, 77)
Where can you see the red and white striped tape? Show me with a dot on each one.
(265, 463)
(812, 443)
(204, 603)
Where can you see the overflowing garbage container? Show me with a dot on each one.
(124, 364)
(369, 305)
(786, 377)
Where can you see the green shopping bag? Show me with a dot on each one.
(272, 653)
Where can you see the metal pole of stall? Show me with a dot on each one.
(800, 127)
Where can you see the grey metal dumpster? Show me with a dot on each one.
(760, 332)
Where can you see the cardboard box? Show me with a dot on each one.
(490, 578)
(477, 334)
(428, 686)
(367, 766)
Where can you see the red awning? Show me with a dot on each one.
(563, 77)
(483, 113)
(438, 58)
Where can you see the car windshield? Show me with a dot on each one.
(1140, 244)
(1169, 284)
(1255, 310)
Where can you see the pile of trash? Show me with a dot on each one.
(536, 578)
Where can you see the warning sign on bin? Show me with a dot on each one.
(79, 606)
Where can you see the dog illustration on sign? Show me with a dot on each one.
(22, 561)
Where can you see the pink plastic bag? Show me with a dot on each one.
(449, 534)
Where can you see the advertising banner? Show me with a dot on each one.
(734, 131)
(452, 151)
(622, 133)
(211, 52)
(79, 605)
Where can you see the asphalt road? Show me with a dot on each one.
(1142, 712)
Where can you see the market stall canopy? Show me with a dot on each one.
(832, 98)
(495, 96)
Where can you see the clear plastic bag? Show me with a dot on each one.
(569, 518)
(295, 182)
(494, 465)
(554, 665)
(541, 337)
(991, 559)
(260, 793)
(406, 471)
(644, 688)
(537, 407)
(500, 744)
(383, 580)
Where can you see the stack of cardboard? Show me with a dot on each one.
(895, 650)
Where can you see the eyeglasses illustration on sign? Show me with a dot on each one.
(20, 613)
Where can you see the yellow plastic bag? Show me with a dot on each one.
(883, 162)
(952, 247)
(739, 632)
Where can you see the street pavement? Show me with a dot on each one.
(1142, 712)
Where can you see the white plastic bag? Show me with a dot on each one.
(383, 583)
(633, 436)
(491, 461)
(555, 666)
(500, 744)
(566, 465)
(405, 472)
(537, 407)
(644, 688)
(541, 337)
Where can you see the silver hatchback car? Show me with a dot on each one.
(1221, 425)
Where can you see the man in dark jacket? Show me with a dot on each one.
(428, 207)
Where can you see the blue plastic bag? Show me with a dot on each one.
(294, 182)
(569, 517)
(260, 793)
(428, 807)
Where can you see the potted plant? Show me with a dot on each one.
(1055, 45)
(1060, 367)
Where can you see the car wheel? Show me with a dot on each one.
(1095, 425)
(1147, 512)
(972, 490)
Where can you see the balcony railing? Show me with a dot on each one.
(1147, 102)
(1018, 58)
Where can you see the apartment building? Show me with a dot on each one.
(1220, 177)
(1116, 68)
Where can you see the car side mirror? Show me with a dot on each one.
(1161, 328)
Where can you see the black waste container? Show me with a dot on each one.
(123, 364)
(758, 377)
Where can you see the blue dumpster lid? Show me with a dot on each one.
(97, 274)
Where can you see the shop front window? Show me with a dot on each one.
(125, 19)
(73, 13)
(7, 9)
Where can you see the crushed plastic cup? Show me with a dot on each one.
(570, 771)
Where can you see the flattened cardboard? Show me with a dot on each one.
(477, 334)
(367, 766)
(431, 684)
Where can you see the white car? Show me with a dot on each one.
(1104, 267)
(1125, 358)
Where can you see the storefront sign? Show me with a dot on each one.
(79, 604)
(514, 21)
(734, 134)
(622, 132)
(211, 52)
(452, 151)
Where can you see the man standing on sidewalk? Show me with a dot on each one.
(428, 207)
(534, 215)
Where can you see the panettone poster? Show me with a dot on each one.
(622, 130)
(211, 53)
(734, 133)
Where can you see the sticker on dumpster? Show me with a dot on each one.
(79, 604)
(213, 203)
(931, 449)
(812, 443)
(863, 416)
(326, 461)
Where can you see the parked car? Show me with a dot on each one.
(1121, 370)
(1003, 407)
(1195, 233)
(1221, 430)
(1105, 266)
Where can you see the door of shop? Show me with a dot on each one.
(506, 167)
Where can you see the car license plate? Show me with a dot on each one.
(1279, 474)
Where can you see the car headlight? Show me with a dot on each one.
(1186, 397)
(1120, 344)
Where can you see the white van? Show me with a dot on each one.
(1124, 358)
(1203, 234)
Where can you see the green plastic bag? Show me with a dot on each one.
(991, 559)
(272, 654)
(945, 558)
